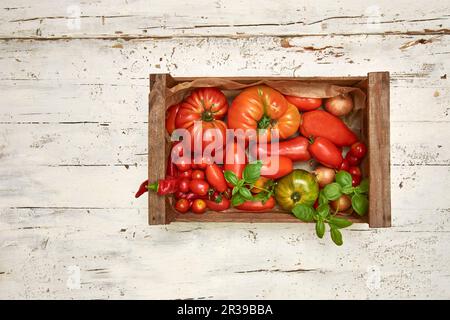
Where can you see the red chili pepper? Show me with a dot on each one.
(324, 151)
(295, 149)
(162, 187)
(215, 177)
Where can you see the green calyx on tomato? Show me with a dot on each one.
(298, 187)
(265, 122)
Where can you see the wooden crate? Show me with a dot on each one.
(375, 133)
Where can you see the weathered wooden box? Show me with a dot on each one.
(375, 133)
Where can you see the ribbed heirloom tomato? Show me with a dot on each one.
(207, 105)
(263, 108)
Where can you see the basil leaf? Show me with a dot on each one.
(252, 172)
(339, 223)
(320, 228)
(240, 183)
(360, 204)
(245, 193)
(231, 177)
(303, 212)
(323, 210)
(332, 191)
(348, 190)
(344, 178)
(363, 186)
(336, 236)
(322, 198)
(235, 190)
(237, 200)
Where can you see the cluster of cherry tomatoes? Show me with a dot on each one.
(352, 160)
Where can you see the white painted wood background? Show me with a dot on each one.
(73, 148)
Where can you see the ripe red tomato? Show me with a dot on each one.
(352, 160)
(235, 160)
(324, 151)
(171, 114)
(354, 171)
(358, 150)
(198, 206)
(276, 167)
(257, 206)
(183, 165)
(304, 104)
(345, 165)
(207, 105)
(319, 123)
(223, 204)
(183, 185)
(202, 162)
(182, 205)
(263, 108)
(186, 174)
(215, 177)
(198, 174)
(356, 180)
(199, 187)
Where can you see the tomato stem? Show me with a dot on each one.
(296, 196)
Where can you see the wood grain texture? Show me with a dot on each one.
(157, 155)
(378, 128)
(73, 126)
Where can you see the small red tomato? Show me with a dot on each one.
(183, 185)
(185, 174)
(183, 165)
(198, 174)
(356, 180)
(198, 206)
(352, 160)
(179, 195)
(354, 171)
(182, 205)
(199, 187)
(345, 165)
(201, 163)
(358, 150)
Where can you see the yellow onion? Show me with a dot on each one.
(324, 175)
(340, 105)
(342, 203)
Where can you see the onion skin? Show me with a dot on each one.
(340, 105)
(324, 176)
(343, 203)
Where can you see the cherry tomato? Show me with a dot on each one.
(216, 205)
(345, 165)
(358, 150)
(325, 152)
(304, 104)
(183, 165)
(356, 180)
(198, 206)
(183, 185)
(179, 195)
(354, 171)
(182, 205)
(202, 163)
(198, 174)
(352, 160)
(185, 174)
(199, 187)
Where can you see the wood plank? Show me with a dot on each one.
(378, 126)
(157, 152)
(140, 19)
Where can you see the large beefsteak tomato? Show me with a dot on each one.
(263, 108)
(208, 106)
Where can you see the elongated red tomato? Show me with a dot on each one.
(199, 187)
(207, 106)
(320, 123)
(325, 152)
(171, 115)
(276, 167)
(257, 206)
(304, 104)
(263, 108)
(215, 177)
(223, 204)
(235, 160)
(295, 149)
